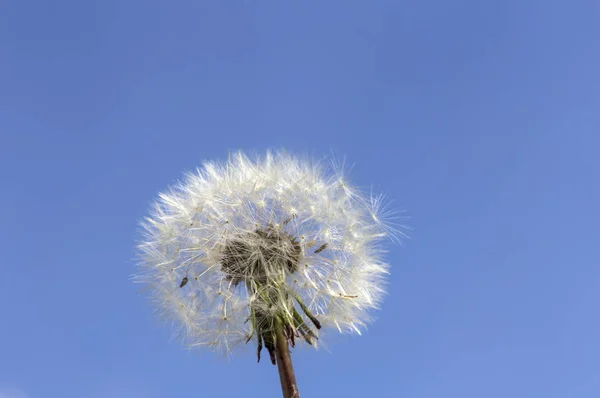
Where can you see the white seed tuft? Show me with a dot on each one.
(236, 243)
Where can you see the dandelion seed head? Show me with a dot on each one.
(238, 244)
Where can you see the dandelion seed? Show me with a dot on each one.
(239, 236)
(184, 282)
(321, 248)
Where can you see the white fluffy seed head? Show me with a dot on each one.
(271, 235)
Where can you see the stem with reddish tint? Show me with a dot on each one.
(287, 377)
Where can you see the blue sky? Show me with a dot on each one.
(476, 117)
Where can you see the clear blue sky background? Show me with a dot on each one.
(481, 118)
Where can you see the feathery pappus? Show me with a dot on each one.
(241, 246)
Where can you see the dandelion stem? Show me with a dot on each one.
(287, 377)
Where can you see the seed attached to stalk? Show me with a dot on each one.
(184, 282)
(321, 248)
